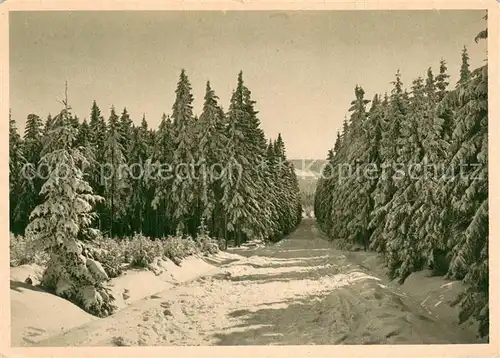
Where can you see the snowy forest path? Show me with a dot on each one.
(298, 291)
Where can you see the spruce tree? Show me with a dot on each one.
(140, 195)
(469, 195)
(430, 84)
(427, 218)
(402, 250)
(33, 135)
(246, 206)
(212, 143)
(352, 189)
(97, 126)
(442, 81)
(83, 137)
(115, 177)
(57, 224)
(336, 146)
(288, 202)
(162, 158)
(183, 190)
(48, 125)
(271, 172)
(464, 68)
(256, 150)
(97, 142)
(238, 186)
(32, 149)
(391, 143)
(126, 132)
(18, 180)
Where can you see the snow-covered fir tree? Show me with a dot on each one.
(183, 188)
(61, 224)
(114, 175)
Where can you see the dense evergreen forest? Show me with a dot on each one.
(408, 177)
(224, 174)
(213, 176)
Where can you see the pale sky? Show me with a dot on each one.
(301, 67)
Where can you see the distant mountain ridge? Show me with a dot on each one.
(308, 172)
(308, 168)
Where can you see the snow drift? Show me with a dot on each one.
(37, 315)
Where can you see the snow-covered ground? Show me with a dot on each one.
(299, 291)
(37, 315)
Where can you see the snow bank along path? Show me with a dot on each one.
(299, 291)
(37, 315)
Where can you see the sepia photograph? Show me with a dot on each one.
(248, 177)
